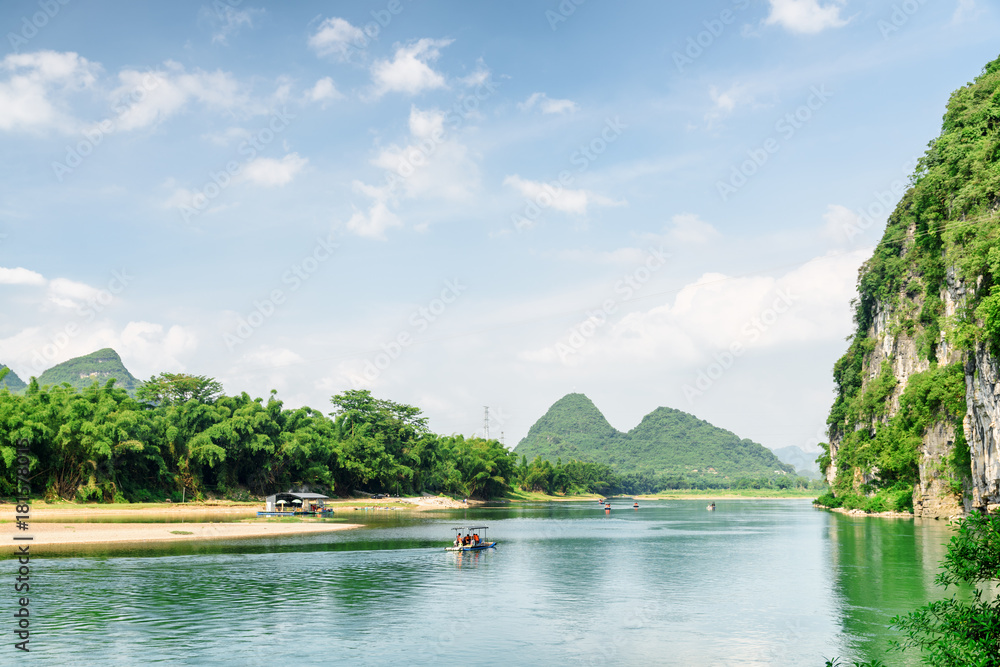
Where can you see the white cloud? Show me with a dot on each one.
(432, 164)
(20, 276)
(72, 294)
(477, 78)
(269, 172)
(561, 199)
(227, 21)
(408, 71)
(375, 222)
(688, 229)
(547, 105)
(33, 95)
(337, 37)
(147, 98)
(323, 90)
(806, 305)
(150, 348)
(806, 16)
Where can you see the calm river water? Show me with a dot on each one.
(757, 582)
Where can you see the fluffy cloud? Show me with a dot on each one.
(408, 71)
(378, 219)
(337, 37)
(72, 294)
(227, 21)
(708, 316)
(432, 164)
(323, 90)
(146, 98)
(547, 105)
(33, 96)
(269, 172)
(806, 16)
(20, 276)
(561, 199)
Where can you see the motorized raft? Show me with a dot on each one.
(473, 540)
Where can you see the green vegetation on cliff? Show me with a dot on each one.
(82, 372)
(667, 442)
(944, 234)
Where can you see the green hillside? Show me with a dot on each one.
(97, 366)
(573, 428)
(11, 381)
(667, 441)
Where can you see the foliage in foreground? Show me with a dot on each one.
(962, 632)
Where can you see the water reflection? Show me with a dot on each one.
(882, 567)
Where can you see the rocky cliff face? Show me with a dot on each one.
(918, 399)
(982, 381)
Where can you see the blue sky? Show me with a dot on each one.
(458, 205)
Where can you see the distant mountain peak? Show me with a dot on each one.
(12, 381)
(99, 366)
(666, 441)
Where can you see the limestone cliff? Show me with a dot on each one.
(914, 423)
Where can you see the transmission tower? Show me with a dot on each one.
(486, 421)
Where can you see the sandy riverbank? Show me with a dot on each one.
(108, 533)
(46, 512)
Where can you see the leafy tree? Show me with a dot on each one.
(960, 632)
(176, 388)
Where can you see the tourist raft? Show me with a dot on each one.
(473, 540)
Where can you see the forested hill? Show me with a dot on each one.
(573, 428)
(100, 366)
(666, 442)
(10, 380)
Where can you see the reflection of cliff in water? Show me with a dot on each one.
(882, 567)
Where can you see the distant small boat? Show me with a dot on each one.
(712, 507)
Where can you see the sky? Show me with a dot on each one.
(458, 205)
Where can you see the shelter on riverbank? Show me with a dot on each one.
(304, 502)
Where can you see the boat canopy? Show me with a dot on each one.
(471, 528)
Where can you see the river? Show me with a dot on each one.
(757, 582)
